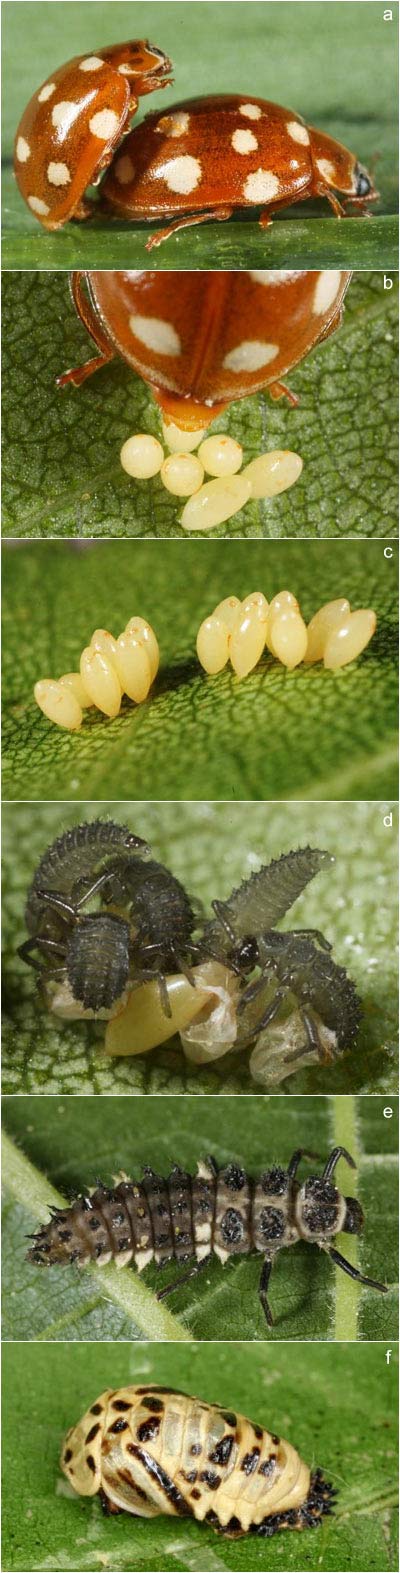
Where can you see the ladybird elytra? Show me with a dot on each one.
(72, 125)
(208, 157)
(216, 338)
(153, 1450)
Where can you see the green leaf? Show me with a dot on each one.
(310, 1298)
(62, 473)
(211, 846)
(337, 1406)
(336, 66)
(278, 734)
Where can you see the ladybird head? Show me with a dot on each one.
(338, 169)
(82, 1448)
(354, 1217)
(143, 64)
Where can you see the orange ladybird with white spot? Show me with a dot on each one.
(74, 122)
(207, 157)
(205, 339)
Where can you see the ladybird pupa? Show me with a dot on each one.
(151, 1450)
(273, 472)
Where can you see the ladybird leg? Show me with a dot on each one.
(353, 1272)
(253, 989)
(192, 1273)
(262, 1290)
(325, 191)
(220, 910)
(220, 214)
(316, 934)
(93, 889)
(272, 1010)
(312, 1044)
(278, 390)
(64, 907)
(108, 1507)
(86, 312)
(182, 966)
(338, 1152)
(265, 219)
(146, 975)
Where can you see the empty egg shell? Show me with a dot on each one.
(143, 1024)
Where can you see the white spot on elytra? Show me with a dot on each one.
(261, 186)
(155, 334)
(326, 169)
(251, 111)
(38, 206)
(64, 114)
(58, 174)
(22, 150)
(251, 355)
(297, 132)
(327, 288)
(180, 174)
(46, 92)
(92, 63)
(124, 170)
(174, 125)
(244, 141)
(104, 124)
(273, 275)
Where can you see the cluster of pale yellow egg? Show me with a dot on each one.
(238, 631)
(109, 668)
(182, 472)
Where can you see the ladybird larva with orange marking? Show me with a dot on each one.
(58, 703)
(150, 1450)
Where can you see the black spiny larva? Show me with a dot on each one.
(151, 1450)
(141, 931)
(295, 965)
(220, 1211)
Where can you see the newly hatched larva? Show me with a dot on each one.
(189, 1218)
(109, 668)
(151, 1450)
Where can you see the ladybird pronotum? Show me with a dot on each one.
(73, 123)
(224, 1212)
(151, 1450)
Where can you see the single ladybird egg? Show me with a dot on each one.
(101, 681)
(273, 472)
(349, 639)
(216, 502)
(288, 638)
(142, 1023)
(73, 681)
(103, 641)
(142, 630)
(256, 602)
(141, 456)
(228, 610)
(212, 644)
(279, 602)
(179, 441)
(246, 642)
(182, 474)
(58, 704)
(321, 625)
(133, 667)
(221, 455)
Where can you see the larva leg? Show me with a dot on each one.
(64, 907)
(273, 1008)
(338, 1152)
(353, 1271)
(302, 1152)
(220, 912)
(316, 934)
(48, 946)
(262, 1290)
(192, 1273)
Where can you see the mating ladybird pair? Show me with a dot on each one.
(239, 631)
(204, 158)
(109, 668)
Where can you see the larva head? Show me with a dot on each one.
(321, 1210)
(72, 125)
(81, 1452)
(338, 169)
